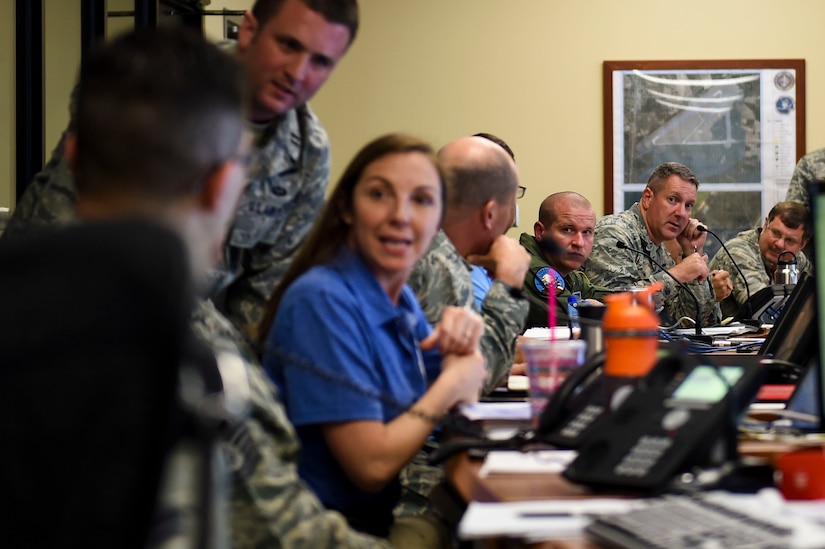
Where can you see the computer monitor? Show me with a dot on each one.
(793, 338)
(816, 191)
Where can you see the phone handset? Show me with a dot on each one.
(579, 385)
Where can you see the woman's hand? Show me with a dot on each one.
(459, 332)
(462, 377)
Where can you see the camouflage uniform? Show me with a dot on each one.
(810, 167)
(744, 248)
(270, 506)
(616, 268)
(286, 192)
(49, 199)
(288, 179)
(442, 278)
(575, 282)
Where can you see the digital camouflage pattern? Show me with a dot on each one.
(810, 167)
(617, 269)
(288, 178)
(49, 199)
(744, 248)
(287, 182)
(270, 506)
(575, 282)
(442, 278)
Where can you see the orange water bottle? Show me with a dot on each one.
(630, 329)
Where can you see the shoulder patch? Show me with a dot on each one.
(546, 278)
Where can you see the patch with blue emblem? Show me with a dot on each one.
(547, 277)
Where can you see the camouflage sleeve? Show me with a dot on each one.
(438, 282)
(433, 286)
(270, 505)
(504, 318)
(617, 268)
(749, 259)
(804, 264)
(263, 267)
(48, 200)
(806, 170)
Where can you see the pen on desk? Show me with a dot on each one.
(540, 514)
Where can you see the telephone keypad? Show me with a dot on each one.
(643, 455)
(582, 421)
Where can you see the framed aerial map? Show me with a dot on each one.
(738, 124)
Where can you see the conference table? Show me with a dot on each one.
(464, 476)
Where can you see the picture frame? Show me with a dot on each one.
(738, 124)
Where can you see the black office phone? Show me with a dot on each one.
(682, 414)
(575, 410)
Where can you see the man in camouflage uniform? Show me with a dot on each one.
(269, 506)
(568, 221)
(810, 167)
(164, 180)
(289, 48)
(756, 251)
(662, 214)
(481, 202)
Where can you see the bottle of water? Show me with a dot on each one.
(573, 314)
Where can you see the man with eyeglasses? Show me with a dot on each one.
(757, 252)
(482, 281)
(480, 207)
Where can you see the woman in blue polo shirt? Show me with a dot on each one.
(364, 377)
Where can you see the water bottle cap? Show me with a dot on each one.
(791, 261)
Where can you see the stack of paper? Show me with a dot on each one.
(515, 462)
(537, 519)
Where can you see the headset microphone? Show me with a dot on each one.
(698, 321)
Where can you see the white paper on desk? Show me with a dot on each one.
(559, 332)
(519, 518)
(477, 411)
(717, 330)
(515, 462)
(518, 383)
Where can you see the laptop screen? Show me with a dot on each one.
(816, 190)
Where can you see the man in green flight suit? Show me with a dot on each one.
(561, 241)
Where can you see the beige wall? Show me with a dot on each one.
(61, 52)
(213, 24)
(7, 150)
(530, 71)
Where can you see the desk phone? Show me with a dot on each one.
(683, 413)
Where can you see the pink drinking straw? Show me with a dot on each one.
(551, 304)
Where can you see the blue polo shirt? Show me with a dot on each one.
(365, 365)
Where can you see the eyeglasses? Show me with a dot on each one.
(520, 192)
(789, 241)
